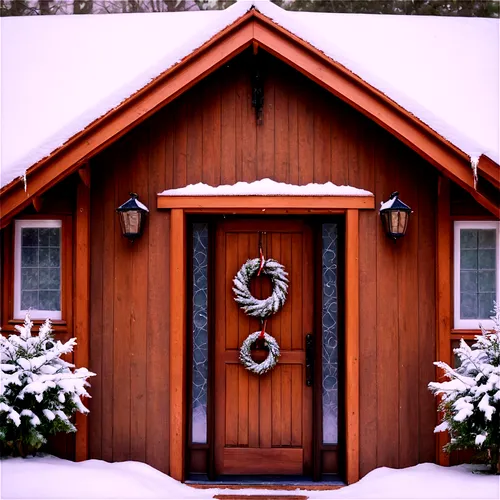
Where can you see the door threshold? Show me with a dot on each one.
(329, 482)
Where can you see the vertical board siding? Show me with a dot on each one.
(210, 135)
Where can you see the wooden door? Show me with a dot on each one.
(263, 424)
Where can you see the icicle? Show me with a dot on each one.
(25, 181)
(474, 160)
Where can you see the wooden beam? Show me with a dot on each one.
(82, 305)
(489, 170)
(443, 294)
(177, 343)
(84, 173)
(306, 203)
(352, 345)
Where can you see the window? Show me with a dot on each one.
(477, 277)
(37, 269)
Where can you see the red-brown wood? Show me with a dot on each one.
(82, 305)
(367, 155)
(265, 420)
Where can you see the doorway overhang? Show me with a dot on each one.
(179, 207)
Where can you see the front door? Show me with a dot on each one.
(263, 424)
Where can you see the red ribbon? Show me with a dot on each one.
(262, 261)
(261, 334)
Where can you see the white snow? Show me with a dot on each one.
(54, 478)
(60, 73)
(266, 187)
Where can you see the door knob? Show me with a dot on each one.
(309, 359)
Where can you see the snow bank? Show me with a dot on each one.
(444, 70)
(50, 477)
(266, 187)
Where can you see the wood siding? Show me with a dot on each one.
(210, 135)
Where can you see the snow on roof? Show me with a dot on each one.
(266, 187)
(60, 73)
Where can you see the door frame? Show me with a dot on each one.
(270, 205)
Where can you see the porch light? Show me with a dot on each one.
(395, 215)
(132, 214)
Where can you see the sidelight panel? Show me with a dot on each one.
(329, 323)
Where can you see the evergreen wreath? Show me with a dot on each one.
(261, 308)
(246, 356)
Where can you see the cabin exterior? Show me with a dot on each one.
(156, 319)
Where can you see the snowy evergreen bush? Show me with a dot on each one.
(470, 398)
(39, 391)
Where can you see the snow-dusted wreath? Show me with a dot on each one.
(261, 308)
(246, 356)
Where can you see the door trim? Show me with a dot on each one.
(177, 344)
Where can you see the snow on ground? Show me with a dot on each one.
(47, 477)
(266, 187)
(444, 70)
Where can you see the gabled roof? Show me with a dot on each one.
(59, 83)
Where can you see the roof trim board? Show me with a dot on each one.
(253, 27)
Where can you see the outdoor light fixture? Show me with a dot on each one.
(395, 215)
(132, 214)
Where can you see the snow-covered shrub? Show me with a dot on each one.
(39, 391)
(470, 398)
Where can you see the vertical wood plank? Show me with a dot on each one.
(281, 137)
(297, 438)
(352, 345)
(293, 133)
(368, 367)
(96, 319)
(408, 320)
(242, 415)
(195, 139)
(286, 313)
(265, 408)
(286, 405)
(427, 313)
(321, 138)
(247, 132)
(387, 321)
(211, 133)
(232, 405)
(111, 226)
(138, 308)
(122, 316)
(158, 313)
(341, 142)
(180, 143)
(277, 418)
(82, 304)
(177, 342)
(296, 294)
(443, 293)
(306, 137)
(265, 133)
(228, 131)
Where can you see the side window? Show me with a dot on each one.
(476, 276)
(38, 269)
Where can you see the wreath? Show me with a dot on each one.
(246, 356)
(261, 308)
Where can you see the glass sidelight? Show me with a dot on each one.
(329, 324)
(199, 301)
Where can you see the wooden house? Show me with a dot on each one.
(150, 103)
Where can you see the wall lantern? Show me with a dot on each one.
(132, 214)
(395, 215)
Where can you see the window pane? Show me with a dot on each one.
(40, 269)
(200, 333)
(329, 334)
(478, 272)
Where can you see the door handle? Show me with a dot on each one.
(309, 359)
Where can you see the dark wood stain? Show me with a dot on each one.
(210, 135)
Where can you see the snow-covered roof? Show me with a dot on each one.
(266, 187)
(60, 73)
